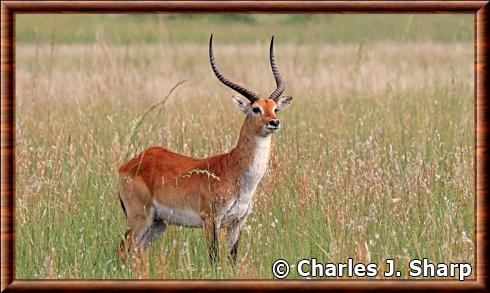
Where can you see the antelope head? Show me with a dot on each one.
(261, 113)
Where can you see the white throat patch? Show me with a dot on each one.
(240, 205)
(256, 170)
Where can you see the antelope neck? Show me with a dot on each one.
(251, 154)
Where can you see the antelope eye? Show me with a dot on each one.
(257, 110)
(276, 110)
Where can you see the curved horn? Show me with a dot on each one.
(281, 86)
(251, 96)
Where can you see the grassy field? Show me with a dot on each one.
(375, 159)
(243, 28)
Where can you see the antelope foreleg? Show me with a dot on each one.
(232, 239)
(211, 234)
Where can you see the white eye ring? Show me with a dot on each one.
(256, 110)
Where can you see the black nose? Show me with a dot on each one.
(274, 122)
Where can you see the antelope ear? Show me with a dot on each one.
(242, 104)
(283, 102)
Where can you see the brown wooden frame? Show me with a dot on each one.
(10, 8)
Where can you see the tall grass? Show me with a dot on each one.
(375, 159)
(243, 28)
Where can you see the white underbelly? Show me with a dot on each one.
(179, 217)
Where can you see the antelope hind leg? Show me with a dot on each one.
(152, 233)
(137, 236)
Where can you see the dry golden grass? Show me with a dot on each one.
(375, 159)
